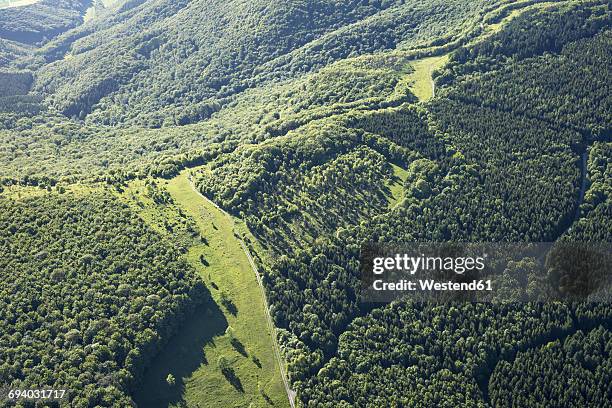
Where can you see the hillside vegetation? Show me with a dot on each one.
(92, 295)
(234, 332)
(319, 126)
(479, 167)
(177, 62)
(36, 21)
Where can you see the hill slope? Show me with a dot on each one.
(301, 119)
(176, 62)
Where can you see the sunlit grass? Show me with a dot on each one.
(397, 186)
(222, 264)
(422, 86)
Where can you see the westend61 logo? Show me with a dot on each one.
(486, 272)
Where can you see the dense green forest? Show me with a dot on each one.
(300, 119)
(496, 157)
(445, 355)
(41, 20)
(89, 295)
(583, 360)
(181, 61)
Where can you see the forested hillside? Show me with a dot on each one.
(50, 145)
(41, 20)
(89, 295)
(313, 127)
(180, 60)
(496, 156)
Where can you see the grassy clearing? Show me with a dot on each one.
(496, 27)
(397, 186)
(90, 14)
(523, 6)
(18, 192)
(422, 84)
(193, 356)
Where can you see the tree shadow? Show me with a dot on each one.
(182, 356)
(229, 305)
(203, 261)
(256, 361)
(232, 378)
(267, 398)
(238, 346)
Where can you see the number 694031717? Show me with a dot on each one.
(36, 394)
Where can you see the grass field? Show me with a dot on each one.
(16, 3)
(193, 356)
(422, 85)
(17, 192)
(397, 186)
(522, 7)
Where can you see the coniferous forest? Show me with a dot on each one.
(186, 189)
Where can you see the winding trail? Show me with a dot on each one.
(291, 394)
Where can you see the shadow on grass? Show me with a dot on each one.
(229, 305)
(181, 357)
(232, 378)
(238, 346)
